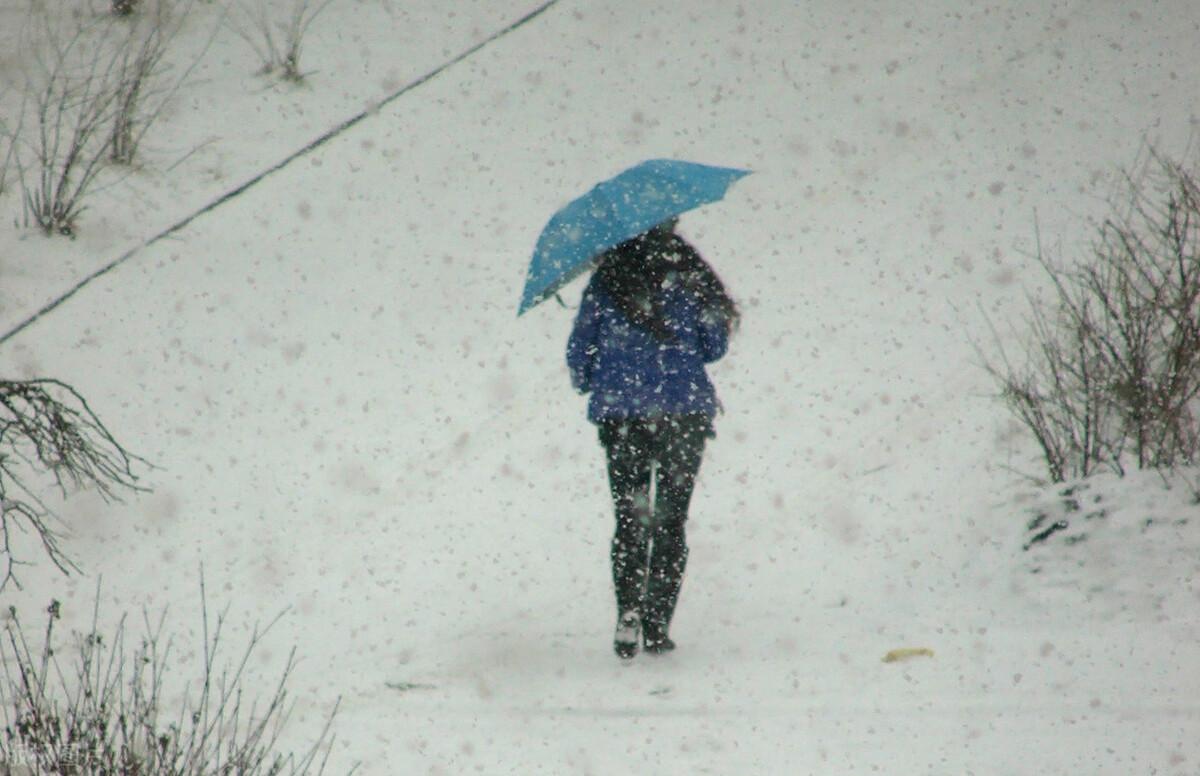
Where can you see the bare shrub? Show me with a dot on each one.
(143, 84)
(93, 92)
(100, 706)
(47, 427)
(276, 41)
(1112, 374)
(1059, 396)
(8, 147)
(68, 105)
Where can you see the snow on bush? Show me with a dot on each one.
(1111, 373)
(106, 704)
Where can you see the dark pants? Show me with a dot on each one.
(649, 549)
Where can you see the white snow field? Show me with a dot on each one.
(346, 418)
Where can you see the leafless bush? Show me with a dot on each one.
(1058, 396)
(93, 92)
(104, 709)
(8, 147)
(124, 7)
(141, 77)
(277, 42)
(68, 105)
(1113, 372)
(6, 152)
(47, 427)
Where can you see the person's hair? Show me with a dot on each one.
(632, 273)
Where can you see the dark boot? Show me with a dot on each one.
(625, 639)
(659, 645)
(655, 638)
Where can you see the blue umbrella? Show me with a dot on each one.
(614, 211)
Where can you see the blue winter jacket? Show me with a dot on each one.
(631, 373)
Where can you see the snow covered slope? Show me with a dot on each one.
(348, 419)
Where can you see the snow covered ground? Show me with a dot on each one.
(347, 418)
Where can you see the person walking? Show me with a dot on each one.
(652, 316)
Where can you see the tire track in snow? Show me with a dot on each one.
(313, 145)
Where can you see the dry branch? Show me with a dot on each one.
(143, 86)
(46, 427)
(277, 42)
(99, 706)
(69, 103)
(1112, 373)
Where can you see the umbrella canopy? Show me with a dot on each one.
(614, 211)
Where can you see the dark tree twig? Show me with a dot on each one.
(278, 43)
(1113, 366)
(143, 88)
(46, 426)
(98, 706)
(69, 103)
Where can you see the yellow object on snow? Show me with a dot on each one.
(907, 653)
